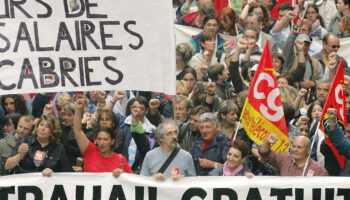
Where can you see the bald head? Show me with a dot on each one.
(303, 139)
(301, 148)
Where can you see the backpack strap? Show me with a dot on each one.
(168, 160)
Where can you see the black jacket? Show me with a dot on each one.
(54, 157)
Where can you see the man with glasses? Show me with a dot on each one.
(181, 165)
(135, 125)
(330, 43)
(292, 164)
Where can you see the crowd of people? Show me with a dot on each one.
(197, 131)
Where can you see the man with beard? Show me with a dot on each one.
(181, 165)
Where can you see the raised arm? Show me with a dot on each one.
(336, 134)
(244, 13)
(12, 162)
(234, 66)
(82, 140)
(298, 73)
(266, 146)
(332, 64)
(297, 100)
(284, 21)
(101, 104)
(118, 94)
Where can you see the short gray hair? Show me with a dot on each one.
(181, 98)
(160, 129)
(209, 117)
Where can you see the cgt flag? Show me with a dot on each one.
(263, 113)
(336, 99)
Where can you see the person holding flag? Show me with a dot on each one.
(336, 99)
(336, 134)
(292, 164)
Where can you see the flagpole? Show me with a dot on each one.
(234, 137)
(236, 29)
(312, 144)
(302, 17)
(229, 3)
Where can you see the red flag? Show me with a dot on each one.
(263, 112)
(274, 11)
(219, 5)
(190, 17)
(336, 99)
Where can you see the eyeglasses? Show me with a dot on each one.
(335, 46)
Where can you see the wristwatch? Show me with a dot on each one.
(216, 165)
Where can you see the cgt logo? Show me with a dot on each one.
(271, 97)
(339, 99)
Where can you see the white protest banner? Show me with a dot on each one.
(130, 186)
(185, 33)
(70, 45)
(344, 50)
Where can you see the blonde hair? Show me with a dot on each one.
(183, 85)
(185, 51)
(226, 107)
(63, 99)
(289, 94)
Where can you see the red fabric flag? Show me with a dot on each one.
(263, 112)
(219, 5)
(190, 17)
(274, 11)
(336, 99)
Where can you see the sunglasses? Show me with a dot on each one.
(335, 46)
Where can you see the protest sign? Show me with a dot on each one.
(81, 45)
(130, 186)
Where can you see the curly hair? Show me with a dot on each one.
(20, 103)
(54, 126)
(185, 51)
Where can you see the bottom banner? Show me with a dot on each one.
(130, 186)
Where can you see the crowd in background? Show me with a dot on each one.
(136, 131)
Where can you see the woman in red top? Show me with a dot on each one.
(99, 158)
